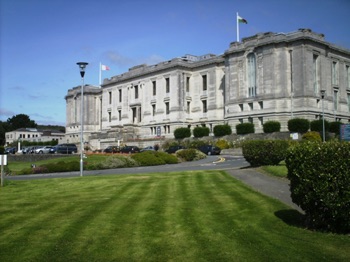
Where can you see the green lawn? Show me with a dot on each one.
(183, 216)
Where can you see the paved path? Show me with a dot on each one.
(277, 188)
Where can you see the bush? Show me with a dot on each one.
(298, 125)
(196, 143)
(182, 132)
(167, 158)
(271, 126)
(264, 152)
(312, 136)
(114, 161)
(187, 154)
(245, 128)
(2, 150)
(148, 158)
(201, 131)
(222, 144)
(334, 127)
(317, 125)
(319, 179)
(222, 130)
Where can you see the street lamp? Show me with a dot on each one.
(323, 128)
(82, 66)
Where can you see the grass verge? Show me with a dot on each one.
(182, 216)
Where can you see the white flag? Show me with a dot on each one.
(104, 67)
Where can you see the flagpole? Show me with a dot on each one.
(100, 75)
(237, 27)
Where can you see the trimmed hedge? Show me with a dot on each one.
(182, 132)
(319, 175)
(272, 126)
(317, 125)
(245, 128)
(312, 136)
(298, 125)
(222, 130)
(154, 158)
(201, 131)
(334, 127)
(264, 152)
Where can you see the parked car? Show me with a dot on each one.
(173, 149)
(26, 150)
(31, 149)
(210, 150)
(148, 148)
(129, 149)
(112, 149)
(43, 150)
(64, 149)
(10, 150)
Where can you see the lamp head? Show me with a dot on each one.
(82, 66)
(323, 93)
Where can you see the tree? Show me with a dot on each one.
(20, 121)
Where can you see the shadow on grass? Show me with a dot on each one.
(291, 217)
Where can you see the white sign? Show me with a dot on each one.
(3, 157)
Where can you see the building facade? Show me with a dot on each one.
(265, 77)
(34, 135)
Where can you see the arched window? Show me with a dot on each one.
(251, 75)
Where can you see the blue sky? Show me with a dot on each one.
(41, 40)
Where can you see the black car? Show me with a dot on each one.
(10, 150)
(210, 150)
(111, 149)
(173, 149)
(129, 149)
(64, 149)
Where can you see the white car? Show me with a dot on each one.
(43, 150)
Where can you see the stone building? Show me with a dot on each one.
(269, 76)
(34, 135)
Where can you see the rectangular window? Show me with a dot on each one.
(167, 85)
(348, 102)
(261, 121)
(153, 109)
(335, 100)
(334, 73)
(167, 108)
(120, 95)
(205, 109)
(120, 115)
(136, 92)
(110, 97)
(188, 84)
(154, 85)
(315, 73)
(241, 107)
(250, 106)
(261, 104)
(250, 120)
(109, 116)
(204, 80)
(347, 76)
(188, 107)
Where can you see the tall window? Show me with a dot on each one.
(334, 73)
(335, 99)
(251, 75)
(347, 76)
(136, 92)
(188, 84)
(167, 108)
(348, 102)
(315, 73)
(120, 115)
(204, 81)
(120, 95)
(109, 116)
(153, 109)
(188, 107)
(110, 97)
(154, 85)
(205, 109)
(167, 85)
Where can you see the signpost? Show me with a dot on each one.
(345, 132)
(3, 162)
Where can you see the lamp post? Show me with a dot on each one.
(82, 66)
(323, 128)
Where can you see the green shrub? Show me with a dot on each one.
(264, 152)
(319, 179)
(201, 131)
(182, 132)
(317, 125)
(222, 130)
(167, 158)
(187, 154)
(2, 150)
(222, 144)
(334, 127)
(245, 128)
(196, 143)
(148, 158)
(312, 136)
(298, 125)
(271, 126)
